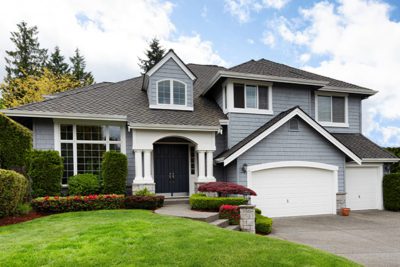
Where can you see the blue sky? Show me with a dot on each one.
(353, 40)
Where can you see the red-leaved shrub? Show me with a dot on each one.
(230, 212)
(226, 188)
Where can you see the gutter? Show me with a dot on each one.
(59, 115)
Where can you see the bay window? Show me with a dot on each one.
(331, 110)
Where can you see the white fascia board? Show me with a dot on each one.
(280, 123)
(140, 126)
(171, 54)
(59, 115)
(348, 90)
(380, 160)
(224, 122)
(259, 77)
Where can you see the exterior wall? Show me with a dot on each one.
(131, 158)
(43, 134)
(283, 145)
(231, 172)
(170, 70)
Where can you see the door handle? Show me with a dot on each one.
(173, 177)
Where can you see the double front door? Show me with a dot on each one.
(171, 168)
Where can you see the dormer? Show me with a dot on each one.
(169, 84)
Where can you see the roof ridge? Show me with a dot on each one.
(241, 64)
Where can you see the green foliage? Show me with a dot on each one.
(45, 171)
(263, 224)
(153, 55)
(56, 63)
(12, 191)
(23, 208)
(15, 143)
(202, 202)
(391, 191)
(78, 69)
(144, 192)
(83, 184)
(114, 169)
(395, 167)
(144, 202)
(258, 211)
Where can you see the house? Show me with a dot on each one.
(291, 135)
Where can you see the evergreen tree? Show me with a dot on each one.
(28, 58)
(56, 63)
(78, 69)
(153, 54)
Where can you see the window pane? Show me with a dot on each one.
(90, 157)
(93, 133)
(338, 109)
(67, 154)
(251, 96)
(324, 108)
(115, 133)
(263, 97)
(238, 91)
(164, 92)
(179, 93)
(115, 147)
(66, 132)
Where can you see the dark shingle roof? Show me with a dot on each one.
(267, 67)
(362, 146)
(126, 98)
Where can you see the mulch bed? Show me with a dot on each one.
(22, 218)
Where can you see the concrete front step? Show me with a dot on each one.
(176, 200)
(223, 223)
(233, 227)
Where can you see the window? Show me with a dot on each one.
(251, 96)
(331, 110)
(83, 146)
(171, 92)
(246, 96)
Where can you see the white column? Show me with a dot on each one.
(202, 165)
(138, 167)
(147, 166)
(210, 166)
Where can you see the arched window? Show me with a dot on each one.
(171, 92)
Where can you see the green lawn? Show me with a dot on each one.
(141, 238)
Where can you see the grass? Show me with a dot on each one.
(142, 238)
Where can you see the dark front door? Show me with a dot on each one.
(171, 168)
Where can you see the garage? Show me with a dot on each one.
(364, 187)
(294, 188)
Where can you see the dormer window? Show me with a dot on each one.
(171, 94)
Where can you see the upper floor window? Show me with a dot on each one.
(171, 92)
(331, 110)
(251, 98)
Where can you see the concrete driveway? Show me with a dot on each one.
(371, 238)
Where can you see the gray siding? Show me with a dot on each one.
(43, 134)
(283, 145)
(131, 158)
(231, 172)
(170, 70)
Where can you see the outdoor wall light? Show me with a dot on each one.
(244, 168)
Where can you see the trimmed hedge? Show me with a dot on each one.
(391, 191)
(202, 202)
(77, 203)
(230, 212)
(263, 224)
(83, 184)
(114, 170)
(12, 191)
(15, 143)
(226, 188)
(144, 202)
(45, 171)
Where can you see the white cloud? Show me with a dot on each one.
(360, 44)
(268, 39)
(242, 9)
(304, 58)
(110, 34)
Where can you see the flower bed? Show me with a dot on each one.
(230, 212)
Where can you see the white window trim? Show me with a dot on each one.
(344, 124)
(230, 97)
(75, 142)
(171, 104)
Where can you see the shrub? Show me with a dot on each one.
(226, 188)
(144, 202)
(23, 209)
(77, 203)
(114, 171)
(230, 212)
(391, 191)
(144, 192)
(83, 184)
(258, 211)
(202, 202)
(12, 191)
(15, 143)
(263, 224)
(45, 171)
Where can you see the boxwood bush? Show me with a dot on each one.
(114, 171)
(202, 202)
(12, 191)
(83, 184)
(391, 191)
(263, 224)
(45, 171)
(144, 202)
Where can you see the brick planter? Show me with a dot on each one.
(247, 218)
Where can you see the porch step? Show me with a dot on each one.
(176, 200)
(233, 227)
(223, 223)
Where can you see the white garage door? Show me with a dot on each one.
(364, 187)
(294, 188)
